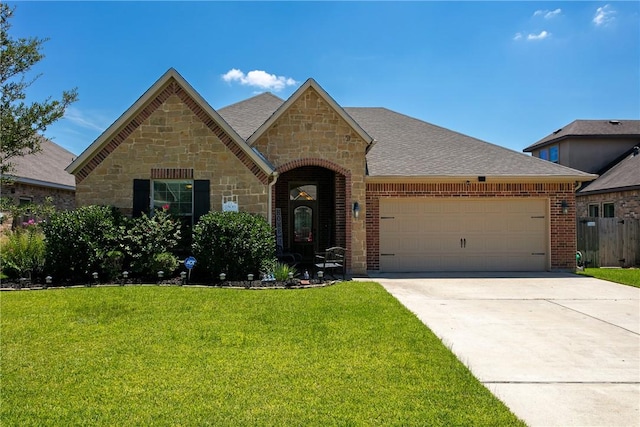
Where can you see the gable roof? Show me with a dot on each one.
(310, 83)
(623, 176)
(45, 168)
(411, 147)
(145, 105)
(405, 146)
(617, 128)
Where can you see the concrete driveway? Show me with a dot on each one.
(557, 349)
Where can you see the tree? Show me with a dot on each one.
(22, 123)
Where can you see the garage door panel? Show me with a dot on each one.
(463, 235)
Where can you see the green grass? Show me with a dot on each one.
(348, 354)
(626, 276)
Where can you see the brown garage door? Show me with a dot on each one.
(463, 234)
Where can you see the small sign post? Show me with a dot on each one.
(189, 263)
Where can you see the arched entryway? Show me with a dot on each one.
(310, 209)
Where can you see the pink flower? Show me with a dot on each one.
(165, 207)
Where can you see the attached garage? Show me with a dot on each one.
(453, 234)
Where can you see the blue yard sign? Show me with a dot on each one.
(189, 262)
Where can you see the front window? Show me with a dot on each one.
(594, 210)
(175, 196)
(553, 154)
(544, 154)
(608, 210)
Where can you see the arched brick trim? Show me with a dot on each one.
(298, 163)
(345, 173)
(172, 88)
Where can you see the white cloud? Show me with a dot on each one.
(604, 15)
(518, 36)
(84, 120)
(258, 78)
(543, 35)
(548, 14)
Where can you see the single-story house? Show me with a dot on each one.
(40, 175)
(399, 193)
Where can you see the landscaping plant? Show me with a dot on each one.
(148, 242)
(78, 241)
(234, 243)
(23, 252)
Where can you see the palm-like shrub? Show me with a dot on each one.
(22, 253)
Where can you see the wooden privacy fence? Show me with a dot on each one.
(609, 242)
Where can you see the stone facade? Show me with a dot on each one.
(311, 133)
(170, 133)
(626, 203)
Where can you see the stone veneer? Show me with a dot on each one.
(172, 133)
(562, 226)
(311, 133)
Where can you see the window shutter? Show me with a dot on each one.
(201, 198)
(141, 197)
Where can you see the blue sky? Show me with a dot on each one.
(505, 72)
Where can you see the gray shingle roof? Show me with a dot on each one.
(46, 167)
(406, 146)
(247, 116)
(623, 176)
(591, 128)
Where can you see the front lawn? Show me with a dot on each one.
(347, 354)
(626, 276)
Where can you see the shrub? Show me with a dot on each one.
(78, 242)
(23, 252)
(148, 242)
(236, 243)
(281, 272)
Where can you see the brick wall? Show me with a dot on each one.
(562, 237)
(626, 203)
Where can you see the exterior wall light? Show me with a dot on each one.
(356, 210)
(565, 207)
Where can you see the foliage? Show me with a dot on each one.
(235, 243)
(36, 211)
(22, 123)
(23, 252)
(347, 355)
(625, 276)
(281, 272)
(78, 242)
(148, 242)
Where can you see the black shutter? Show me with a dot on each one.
(141, 197)
(201, 199)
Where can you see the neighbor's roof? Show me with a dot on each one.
(623, 176)
(590, 129)
(408, 147)
(45, 168)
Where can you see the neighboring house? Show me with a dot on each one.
(400, 194)
(38, 176)
(603, 147)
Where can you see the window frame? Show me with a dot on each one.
(160, 204)
(554, 154)
(605, 210)
(595, 206)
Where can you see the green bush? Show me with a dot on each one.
(236, 243)
(78, 242)
(148, 242)
(281, 272)
(23, 252)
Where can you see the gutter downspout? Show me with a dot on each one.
(275, 176)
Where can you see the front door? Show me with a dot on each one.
(303, 219)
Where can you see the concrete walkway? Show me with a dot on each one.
(557, 349)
